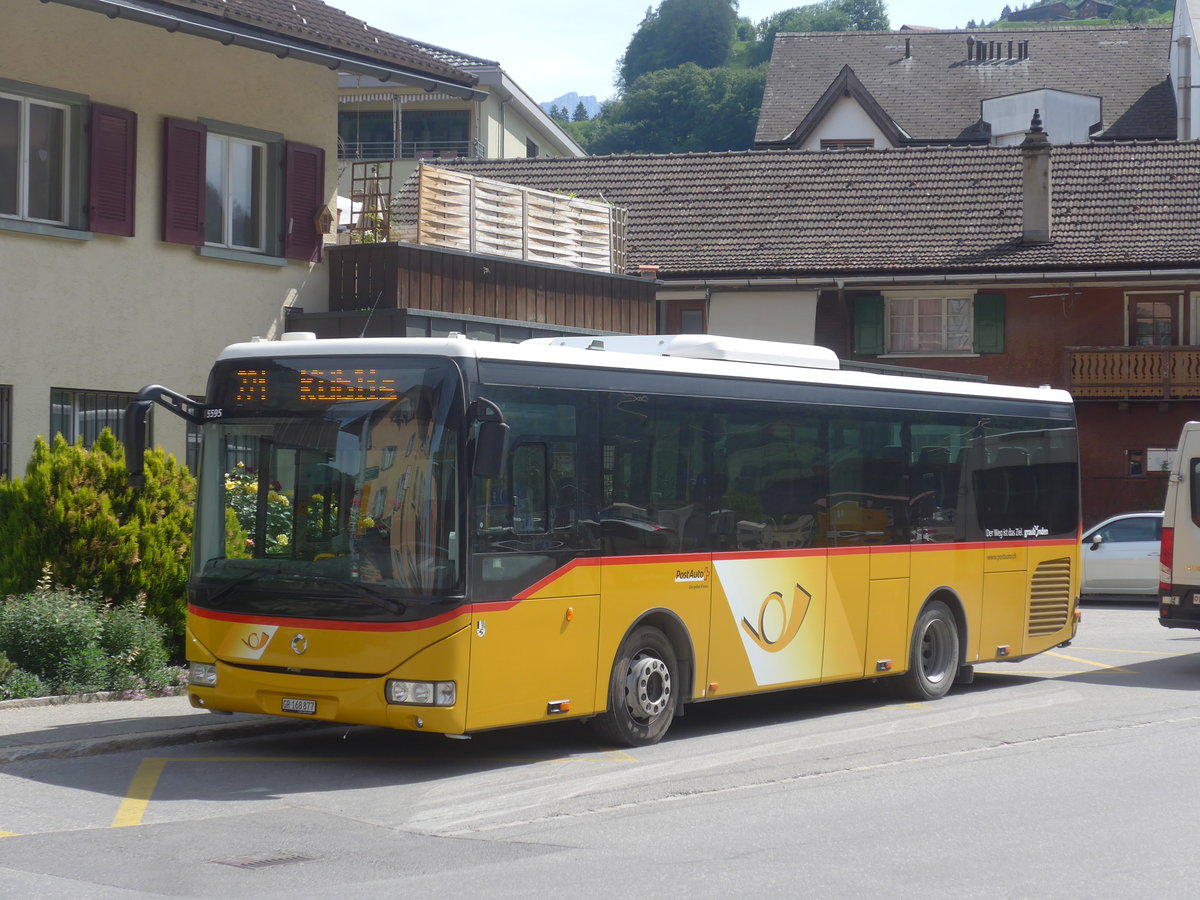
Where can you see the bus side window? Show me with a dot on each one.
(531, 512)
(1194, 466)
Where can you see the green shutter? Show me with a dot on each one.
(989, 323)
(868, 325)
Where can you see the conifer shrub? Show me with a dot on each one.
(75, 515)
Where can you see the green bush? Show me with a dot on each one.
(75, 514)
(54, 641)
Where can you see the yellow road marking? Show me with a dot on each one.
(1088, 662)
(1118, 650)
(137, 798)
(4, 834)
(145, 779)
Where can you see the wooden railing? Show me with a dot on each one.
(1134, 373)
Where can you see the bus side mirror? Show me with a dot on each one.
(137, 417)
(491, 449)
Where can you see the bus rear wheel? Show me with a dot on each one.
(642, 691)
(933, 658)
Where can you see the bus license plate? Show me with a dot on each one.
(307, 707)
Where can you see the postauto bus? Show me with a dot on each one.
(453, 535)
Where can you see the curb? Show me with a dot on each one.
(150, 739)
(99, 697)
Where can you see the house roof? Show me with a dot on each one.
(312, 22)
(935, 95)
(931, 210)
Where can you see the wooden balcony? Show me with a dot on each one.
(1133, 373)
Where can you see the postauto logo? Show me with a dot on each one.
(778, 622)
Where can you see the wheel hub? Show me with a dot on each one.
(647, 687)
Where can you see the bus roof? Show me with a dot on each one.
(710, 355)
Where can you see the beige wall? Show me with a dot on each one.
(115, 313)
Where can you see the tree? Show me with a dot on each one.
(827, 15)
(680, 31)
(680, 110)
(581, 113)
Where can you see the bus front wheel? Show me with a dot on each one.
(933, 658)
(642, 690)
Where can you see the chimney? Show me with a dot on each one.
(1035, 184)
(908, 48)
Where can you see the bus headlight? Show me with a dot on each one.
(202, 674)
(422, 693)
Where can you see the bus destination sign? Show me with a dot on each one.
(303, 386)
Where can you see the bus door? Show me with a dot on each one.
(535, 586)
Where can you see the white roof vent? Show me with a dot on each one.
(298, 336)
(705, 346)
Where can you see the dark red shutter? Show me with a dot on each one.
(184, 145)
(304, 195)
(112, 170)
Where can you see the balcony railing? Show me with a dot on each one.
(351, 150)
(1134, 373)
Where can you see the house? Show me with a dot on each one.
(1072, 266)
(1051, 12)
(829, 90)
(167, 180)
(387, 127)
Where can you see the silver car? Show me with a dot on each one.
(1120, 556)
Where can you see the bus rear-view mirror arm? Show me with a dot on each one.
(137, 423)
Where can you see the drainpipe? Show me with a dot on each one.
(1035, 184)
(1185, 87)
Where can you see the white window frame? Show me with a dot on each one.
(228, 142)
(64, 175)
(889, 318)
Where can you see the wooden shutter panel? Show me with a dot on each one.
(989, 323)
(304, 195)
(869, 325)
(112, 170)
(184, 148)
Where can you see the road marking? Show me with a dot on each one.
(145, 779)
(141, 789)
(1119, 650)
(4, 834)
(1088, 662)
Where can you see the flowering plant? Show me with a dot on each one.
(241, 495)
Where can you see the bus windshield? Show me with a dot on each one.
(330, 491)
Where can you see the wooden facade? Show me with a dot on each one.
(397, 276)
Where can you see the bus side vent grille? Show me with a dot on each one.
(1050, 597)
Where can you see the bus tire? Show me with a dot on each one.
(643, 691)
(933, 658)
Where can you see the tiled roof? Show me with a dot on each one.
(324, 26)
(912, 211)
(935, 95)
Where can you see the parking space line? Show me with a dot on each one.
(1088, 662)
(141, 789)
(145, 779)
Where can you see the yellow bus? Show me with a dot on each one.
(455, 535)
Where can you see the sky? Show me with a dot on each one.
(551, 49)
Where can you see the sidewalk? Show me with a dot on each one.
(60, 728)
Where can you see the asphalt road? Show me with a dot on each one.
(1072, 774)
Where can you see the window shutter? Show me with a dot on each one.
(304, 195)
(868, 325)
(989, 323)
(112, 170)
(184, 146)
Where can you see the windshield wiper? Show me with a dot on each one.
(358, 589)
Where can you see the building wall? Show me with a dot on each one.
(846, 120)
(116, 313)
(1185, 68)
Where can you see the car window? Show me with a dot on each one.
(1145, 528)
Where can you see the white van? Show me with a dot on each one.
(1179, 556)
